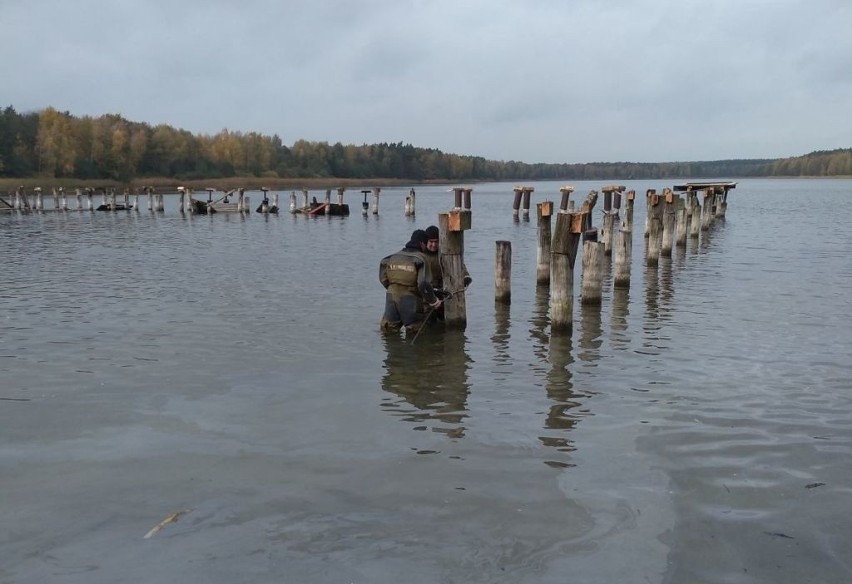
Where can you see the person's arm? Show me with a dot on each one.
(425, 286)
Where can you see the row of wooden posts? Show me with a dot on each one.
(20, 200)
(670, 219)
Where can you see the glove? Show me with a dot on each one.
(467, 281)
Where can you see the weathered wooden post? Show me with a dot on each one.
(655, 227)
(293, 201)
(525, 210)
(126, 199)
(55, 195)
(327, 209)
(623, 254)
(544, 210)
(566, 240)
(566, 197)
(306, 203)
(340, 191)
(457, 197)
(161, 202)
(629, 199)
(39, 202)
(188, 201)
(623, 247)
(136, 199)
(694, 214)
(516, 204)
(593, 263)
(452, 226)
(669, 206)
(721, 202)
(376, 191)
(466, 199)
(112, 203)
(365, 205)
(63, 199)
(18, 204)
(503, 272)
(707, 209)
(90, 204)
(264, 204)
(610, 217)
(412, 203)
(681, 217)
(78, 195)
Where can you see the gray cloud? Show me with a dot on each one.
(538, 81)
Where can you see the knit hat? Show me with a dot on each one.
(417, 237)
(432, 232)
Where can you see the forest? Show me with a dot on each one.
(54, 144)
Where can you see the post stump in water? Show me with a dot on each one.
(655, 227)
(566, 241)
(544, 211)
(503, 272)
(451, 228)
(669, 207)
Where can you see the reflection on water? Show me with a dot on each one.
(430, 378)
(619, 320)
(560, 391)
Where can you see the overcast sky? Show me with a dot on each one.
(534, 81)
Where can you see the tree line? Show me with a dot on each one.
(50, 143)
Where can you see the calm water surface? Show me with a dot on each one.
(694, 429)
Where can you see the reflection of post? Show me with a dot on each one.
(620, 311)
(539, 323)
(501, 334)
(590, 333)
(430, 378)
(560, 420)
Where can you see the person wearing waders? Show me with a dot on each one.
(433, 258)
(405, 275)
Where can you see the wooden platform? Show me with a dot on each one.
(700, 186)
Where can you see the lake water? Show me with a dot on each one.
(696, 429)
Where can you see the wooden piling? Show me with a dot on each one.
(566, 197)
(694, 215)
(340, 191)
(516, 204)
(466, 199)
(593, 264)
(707, 210)
(566, 240)
(451, 227)
(544, 210)
(327, 209)
(365, 205)
(376, 191)
(654, 224)
(629, 200)
(669, 206)
(681, 218)
(412, 205)
(39, 202)
(503, 272)
(525, 209)
(293, 207)
(623, 252)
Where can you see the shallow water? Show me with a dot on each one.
(694, 429)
